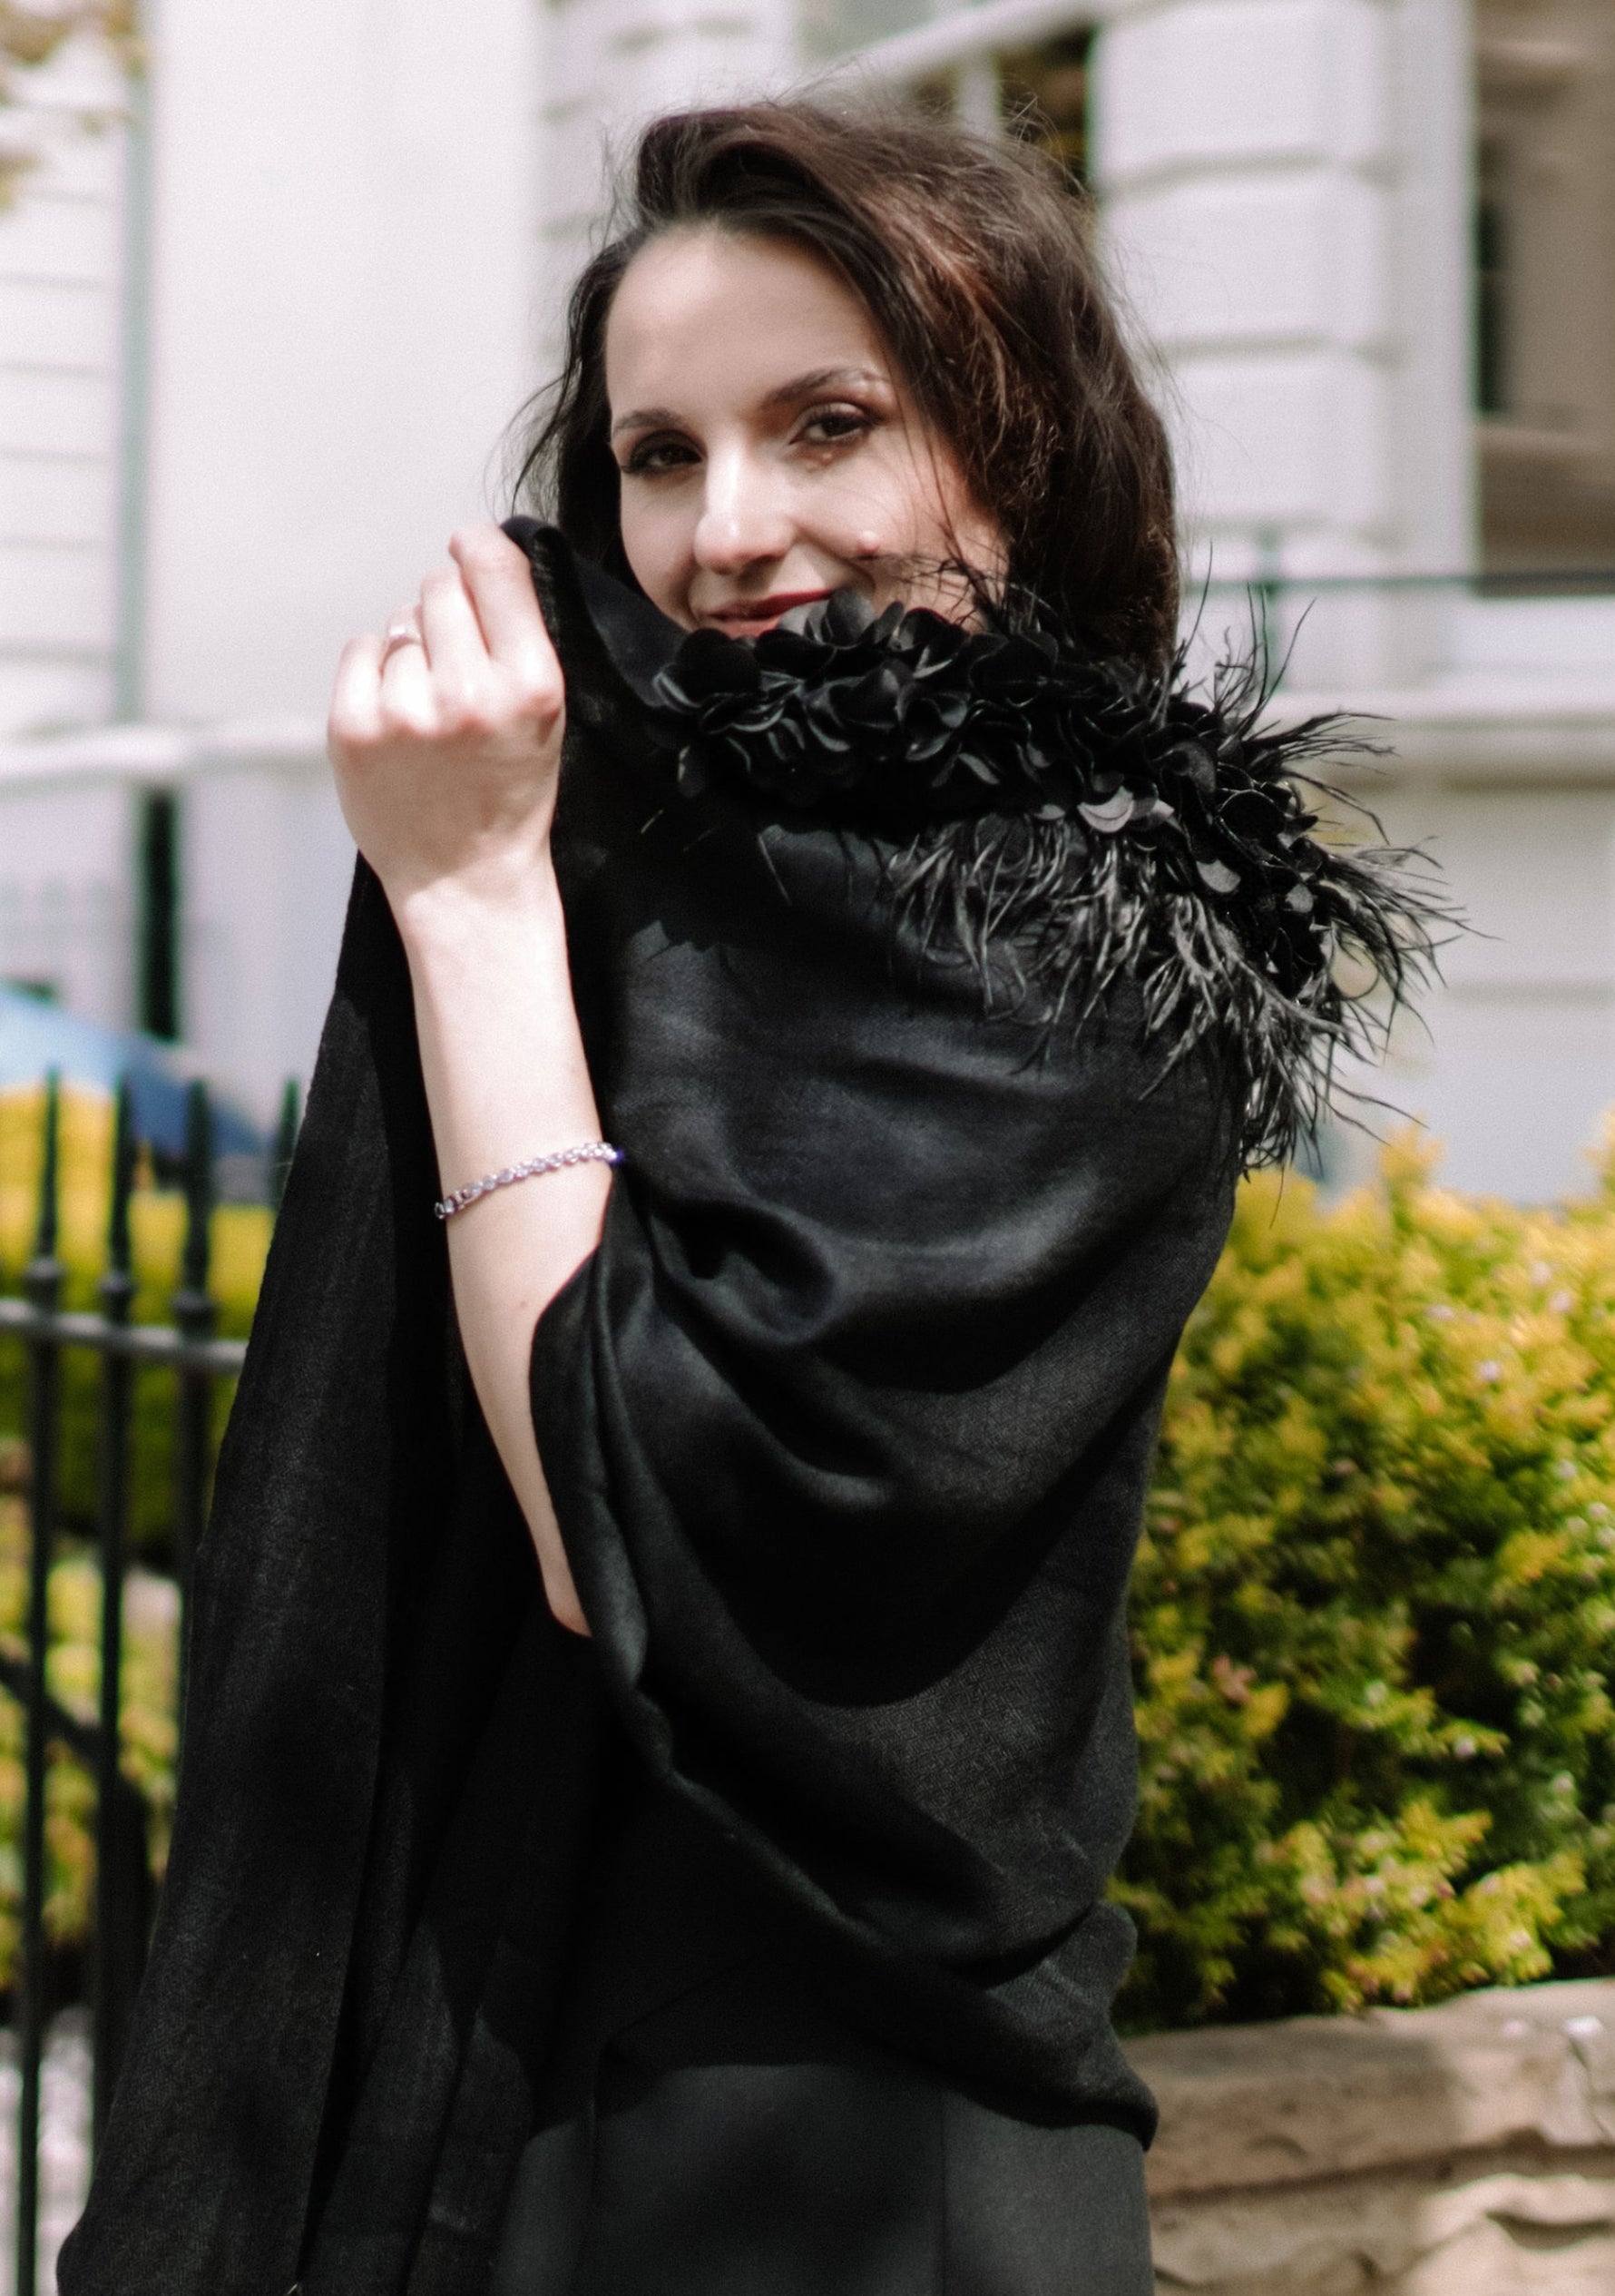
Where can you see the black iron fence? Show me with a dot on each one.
(189, 1349)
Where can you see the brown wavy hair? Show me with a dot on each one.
(977, 263)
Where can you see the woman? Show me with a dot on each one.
(813, 821)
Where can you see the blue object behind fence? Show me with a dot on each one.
(36, 1037)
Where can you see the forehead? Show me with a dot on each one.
(706, 310)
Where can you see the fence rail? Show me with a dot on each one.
(139, 1342)
(121, 1910)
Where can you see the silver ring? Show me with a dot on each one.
(399, 634)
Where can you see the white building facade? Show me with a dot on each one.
(249, 386)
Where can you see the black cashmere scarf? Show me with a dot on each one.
(847, 1422)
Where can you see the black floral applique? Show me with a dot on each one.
(1080, 821)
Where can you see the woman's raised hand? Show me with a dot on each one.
(445, 733)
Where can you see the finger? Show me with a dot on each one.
(356, 697)
(455, 647)
(499, 581)
(407, 696)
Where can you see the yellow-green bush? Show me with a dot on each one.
(240, 1238)
(1374, 1619)
(150, 1611)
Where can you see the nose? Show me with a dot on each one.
(745, 520)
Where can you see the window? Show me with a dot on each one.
(159, 960)
(1045, 92)
(1543, 363)
(1039, 92)
(1492, 280)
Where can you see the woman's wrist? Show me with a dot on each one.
(474, 910)
(492, 982)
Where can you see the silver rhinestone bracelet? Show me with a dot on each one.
(590, 1152)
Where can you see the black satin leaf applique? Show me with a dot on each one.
(1065, 823)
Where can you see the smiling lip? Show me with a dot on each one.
(765, 610)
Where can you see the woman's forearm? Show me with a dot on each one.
(446, 735)
(506, 1079)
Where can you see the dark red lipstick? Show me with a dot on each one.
(752, 614)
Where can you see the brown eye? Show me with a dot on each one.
(834, 425)
(652, 455)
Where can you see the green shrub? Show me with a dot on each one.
(239, 1236)
(1373, 1618)
(150, 1611)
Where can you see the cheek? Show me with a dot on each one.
(871, 498)
(913, 502)
(944, 522)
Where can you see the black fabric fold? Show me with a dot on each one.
(848, 1424)
(344, 1652)
(848, 1419)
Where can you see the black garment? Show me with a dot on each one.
(849, 1418)
(711, 2126)
(809, 2179)
(848, 1424)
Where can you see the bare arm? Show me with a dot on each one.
(447, 757)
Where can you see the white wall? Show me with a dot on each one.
(342, 326)
(67, 917)
(342, 323)
(60, 255)
(266, 865)
(1514, 1068)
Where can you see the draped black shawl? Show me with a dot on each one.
(935, 1020)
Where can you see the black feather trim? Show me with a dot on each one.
(1068, 823)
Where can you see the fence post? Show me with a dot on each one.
(120, 1925)
(42, 1282)
(194, 1314)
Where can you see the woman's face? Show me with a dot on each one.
(770, 451)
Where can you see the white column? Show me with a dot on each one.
(978, 97)
(1284, 190)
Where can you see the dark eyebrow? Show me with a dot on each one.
(647, 418)
(822, 379)
(787, 393)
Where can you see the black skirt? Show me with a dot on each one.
(711, 2126)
